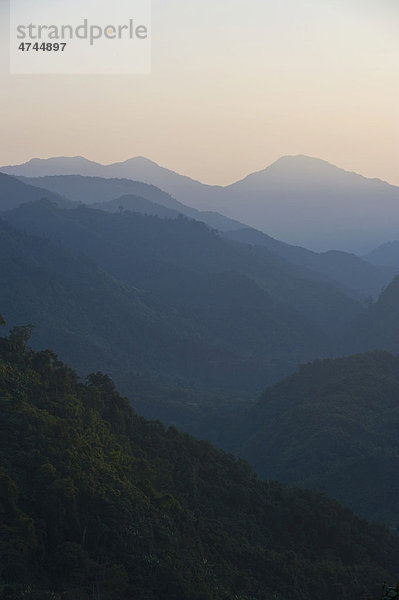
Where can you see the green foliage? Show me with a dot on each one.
(96, 502)
(21, 334)
(390, 592)
(333, 426)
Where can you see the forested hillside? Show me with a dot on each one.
(167, 256)
(355, 275)
(333, 427)
(95, 321)
(97, 502)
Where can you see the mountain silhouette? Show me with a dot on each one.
(96, 190)
(300, 199)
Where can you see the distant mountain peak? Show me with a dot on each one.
(139, 159)
(306, 170)
(54, 159)
(300, 163)
(304, 158)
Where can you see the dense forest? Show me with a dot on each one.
(191, 324)
(98, 503)
(332, 426)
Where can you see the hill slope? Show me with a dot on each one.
(95, 320)
(386, 254)
(302, 200)
(166, 257)
(97, 190)
(137, 168)
(334, 427)
(91, 318)
(338, 267)
(13, 193)
(348, 270)
(379, 326)
(136, 204)
(312, 203)
(95, 498)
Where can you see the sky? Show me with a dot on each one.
(234, 85)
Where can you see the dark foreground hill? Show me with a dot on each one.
(333, 427)
(96, 502)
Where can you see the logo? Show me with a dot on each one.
(50, 36)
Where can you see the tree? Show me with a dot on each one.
(21, 334)
(390, 593)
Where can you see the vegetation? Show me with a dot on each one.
(96, 321)
(98, 503)
(138, 313)
(332, 426)
(165, 257)
(390, 592)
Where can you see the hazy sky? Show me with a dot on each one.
(235, 84)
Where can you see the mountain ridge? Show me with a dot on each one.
(90, 189)
(334, 208)
(307, 161)
(139, 159)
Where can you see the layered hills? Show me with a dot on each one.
(94, 497)
(302, 200)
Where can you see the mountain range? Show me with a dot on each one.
(100, 191)
(192, 315)
(165, 298)
(250, 300)
(348, 270)
(356, 277)
(302, 200)
(174, 258)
